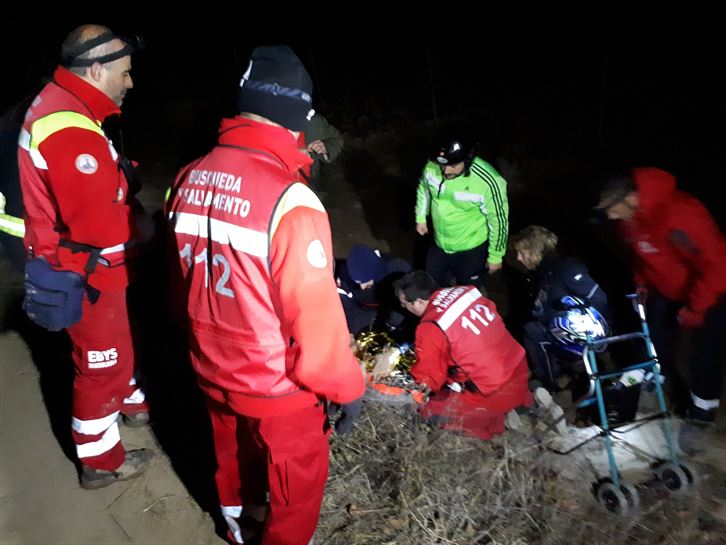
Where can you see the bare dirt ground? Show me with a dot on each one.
(391, 480)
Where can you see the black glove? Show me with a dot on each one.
(348, 413)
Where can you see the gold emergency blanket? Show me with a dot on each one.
(387, 366)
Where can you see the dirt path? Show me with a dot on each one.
(40, 500)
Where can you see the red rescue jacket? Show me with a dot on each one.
(73, 188)
(268, 334)
(475, 344)
(679, 249)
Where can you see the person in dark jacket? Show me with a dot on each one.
(323, 142)
(365, 284)
(554, 277)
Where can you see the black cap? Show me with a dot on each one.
(277, 86)
(615, 190)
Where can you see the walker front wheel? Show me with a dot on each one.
(631, 496)
(612, 499)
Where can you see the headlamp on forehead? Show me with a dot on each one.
(132, 44)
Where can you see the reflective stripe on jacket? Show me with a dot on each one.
(268, 333)
(480, 347)
(73, 188)
(466, 211)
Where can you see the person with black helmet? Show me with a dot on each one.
(467, 200)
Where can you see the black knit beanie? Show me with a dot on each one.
(277, 86)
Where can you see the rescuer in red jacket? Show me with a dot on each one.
(680, 266)
(79, 219)
(475, 369)
(268, 338)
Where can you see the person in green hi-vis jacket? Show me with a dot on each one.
(467, 200)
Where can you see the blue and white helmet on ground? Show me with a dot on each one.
(571, 326)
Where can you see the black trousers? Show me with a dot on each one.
(537, 344)
(707, 353)
(460, 268)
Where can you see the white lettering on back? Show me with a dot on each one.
(223, 182)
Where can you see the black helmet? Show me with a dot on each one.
(454, 145)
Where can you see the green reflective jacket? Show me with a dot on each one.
(466, 211)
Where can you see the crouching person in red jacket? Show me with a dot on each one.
(475, 369)
(268, 338)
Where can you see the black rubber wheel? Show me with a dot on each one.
(612, 499)
(631, 496)
(673, 477)
(691, 474)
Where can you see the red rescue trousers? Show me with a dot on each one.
(285, 456)
(474, 414)
(104, 386)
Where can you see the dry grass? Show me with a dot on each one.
(396, 480)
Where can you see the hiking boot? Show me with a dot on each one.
(551, 415)
(692, 434)
(695, 429)
(135, 463)
(136, 420)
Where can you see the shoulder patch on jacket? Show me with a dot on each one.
(316, 254)
(86, 163)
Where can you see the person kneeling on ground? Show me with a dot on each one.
(476, 371)
(557, 280)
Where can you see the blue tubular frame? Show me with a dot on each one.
(596, 378)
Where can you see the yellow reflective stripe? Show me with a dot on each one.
(12, 225)
(46, 126)
(296, 195)
(167, 193)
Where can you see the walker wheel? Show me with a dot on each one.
(691, 473)
(673, 477)
(613, 499)
(632, 497)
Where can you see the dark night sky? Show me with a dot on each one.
(647, 96)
